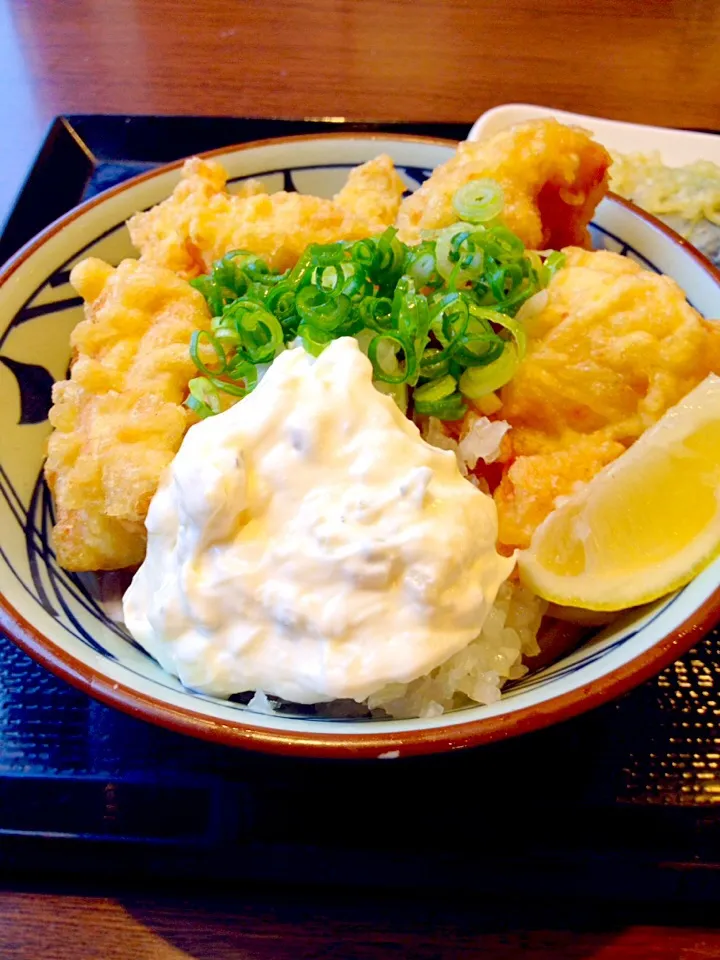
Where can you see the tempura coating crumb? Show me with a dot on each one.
(614, 346)
(552, 177)
(531, 484)
(119, 420)
(611, 347)
(201, 222)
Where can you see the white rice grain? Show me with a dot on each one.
(477, 672)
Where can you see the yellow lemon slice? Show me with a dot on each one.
(645, 525)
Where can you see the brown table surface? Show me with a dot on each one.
(655, 62)
(69, 926)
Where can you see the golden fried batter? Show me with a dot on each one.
(552, 176)
(531, 484)
(201, 221)
(611, 347)
(119, 420)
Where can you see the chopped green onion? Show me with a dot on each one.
(479, 344)
(435, 390)
(534, 260)
(411, 318)
(449, 320)
(301, 274)
(454, 315)
(479, 381)
(352, 325)
(257, 293)
(229, 277)
(504, 279)
(388, 261)
(233, 389)
(363, 252)
(203, 398)
(438, 317)
(479, 200)
(434, 364)
(328, 254)
(356, 284)
(554, 262)
(199, 335)
(457, 254)
(314, 340)
(281, 301)
(516, 329)
(377, 313)
(449, 408)
(321, 309)
(386, 346)
(213, 297)
(421, 267)
(240, 369)
(259, 332)
(234, 272)
(502, 244)
(257, 270)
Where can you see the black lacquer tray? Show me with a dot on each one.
(623, 803)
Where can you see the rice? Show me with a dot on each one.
(477, 673)
(480, 440)
(474, 675)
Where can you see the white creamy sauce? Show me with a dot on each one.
(308, 543)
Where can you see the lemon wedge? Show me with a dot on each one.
(644, 525)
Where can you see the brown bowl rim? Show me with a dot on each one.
(362, 744)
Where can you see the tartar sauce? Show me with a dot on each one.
(308, 543)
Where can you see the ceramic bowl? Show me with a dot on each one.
(59, 618)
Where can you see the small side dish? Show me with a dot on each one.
(687, 198)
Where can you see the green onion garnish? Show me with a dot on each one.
(195, 342)
(555, 262)
(259, 333)
(479, 381)
(323, 309)
(377, 313)
(435, 390)
(383, 354)
(449, 408)
(314, 340)
(479, 201)
(436, 320)
(203, 399)
(281, 301)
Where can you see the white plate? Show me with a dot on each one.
(676, 147)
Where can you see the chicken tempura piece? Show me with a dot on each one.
(118, 419)
(552, 177)
(201, 222)
(531, 484)
(611, 347)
